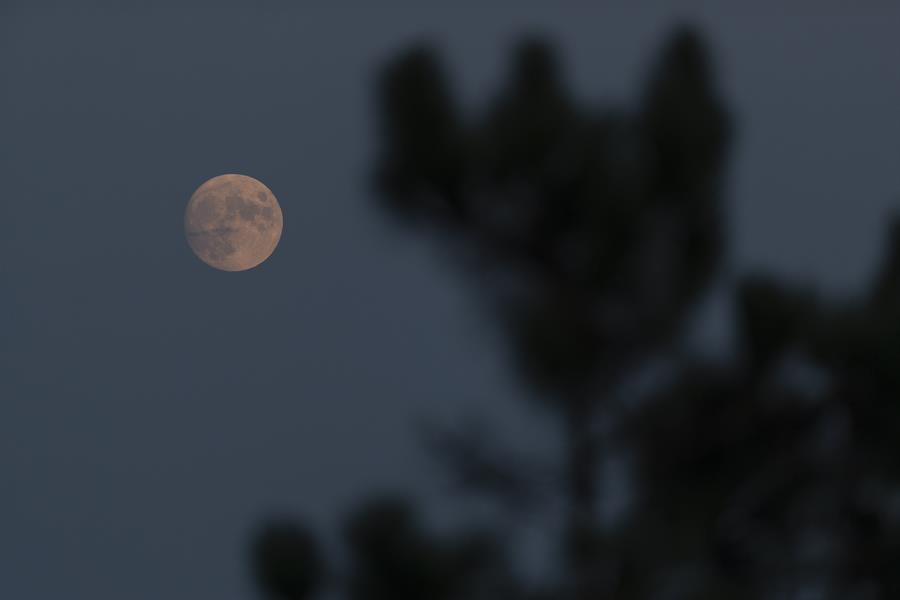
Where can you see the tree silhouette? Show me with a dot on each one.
(592, 236)
(287, 564)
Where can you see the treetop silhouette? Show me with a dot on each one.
(592, 234)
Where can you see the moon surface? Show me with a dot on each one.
(233, 222)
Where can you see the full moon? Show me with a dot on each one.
(233, 222)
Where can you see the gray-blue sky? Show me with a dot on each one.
(152, 409)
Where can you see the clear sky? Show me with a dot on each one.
(153, 409)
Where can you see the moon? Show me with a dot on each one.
(233, 222)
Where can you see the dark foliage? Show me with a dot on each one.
(286, 561)
(592, 236)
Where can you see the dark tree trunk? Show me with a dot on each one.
(581, 462)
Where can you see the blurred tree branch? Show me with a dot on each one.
(592, 235)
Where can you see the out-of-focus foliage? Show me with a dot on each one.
(592, 235)
(286, 561)
(394, 558)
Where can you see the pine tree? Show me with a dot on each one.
(592, 235)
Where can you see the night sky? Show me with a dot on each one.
(152, 409)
